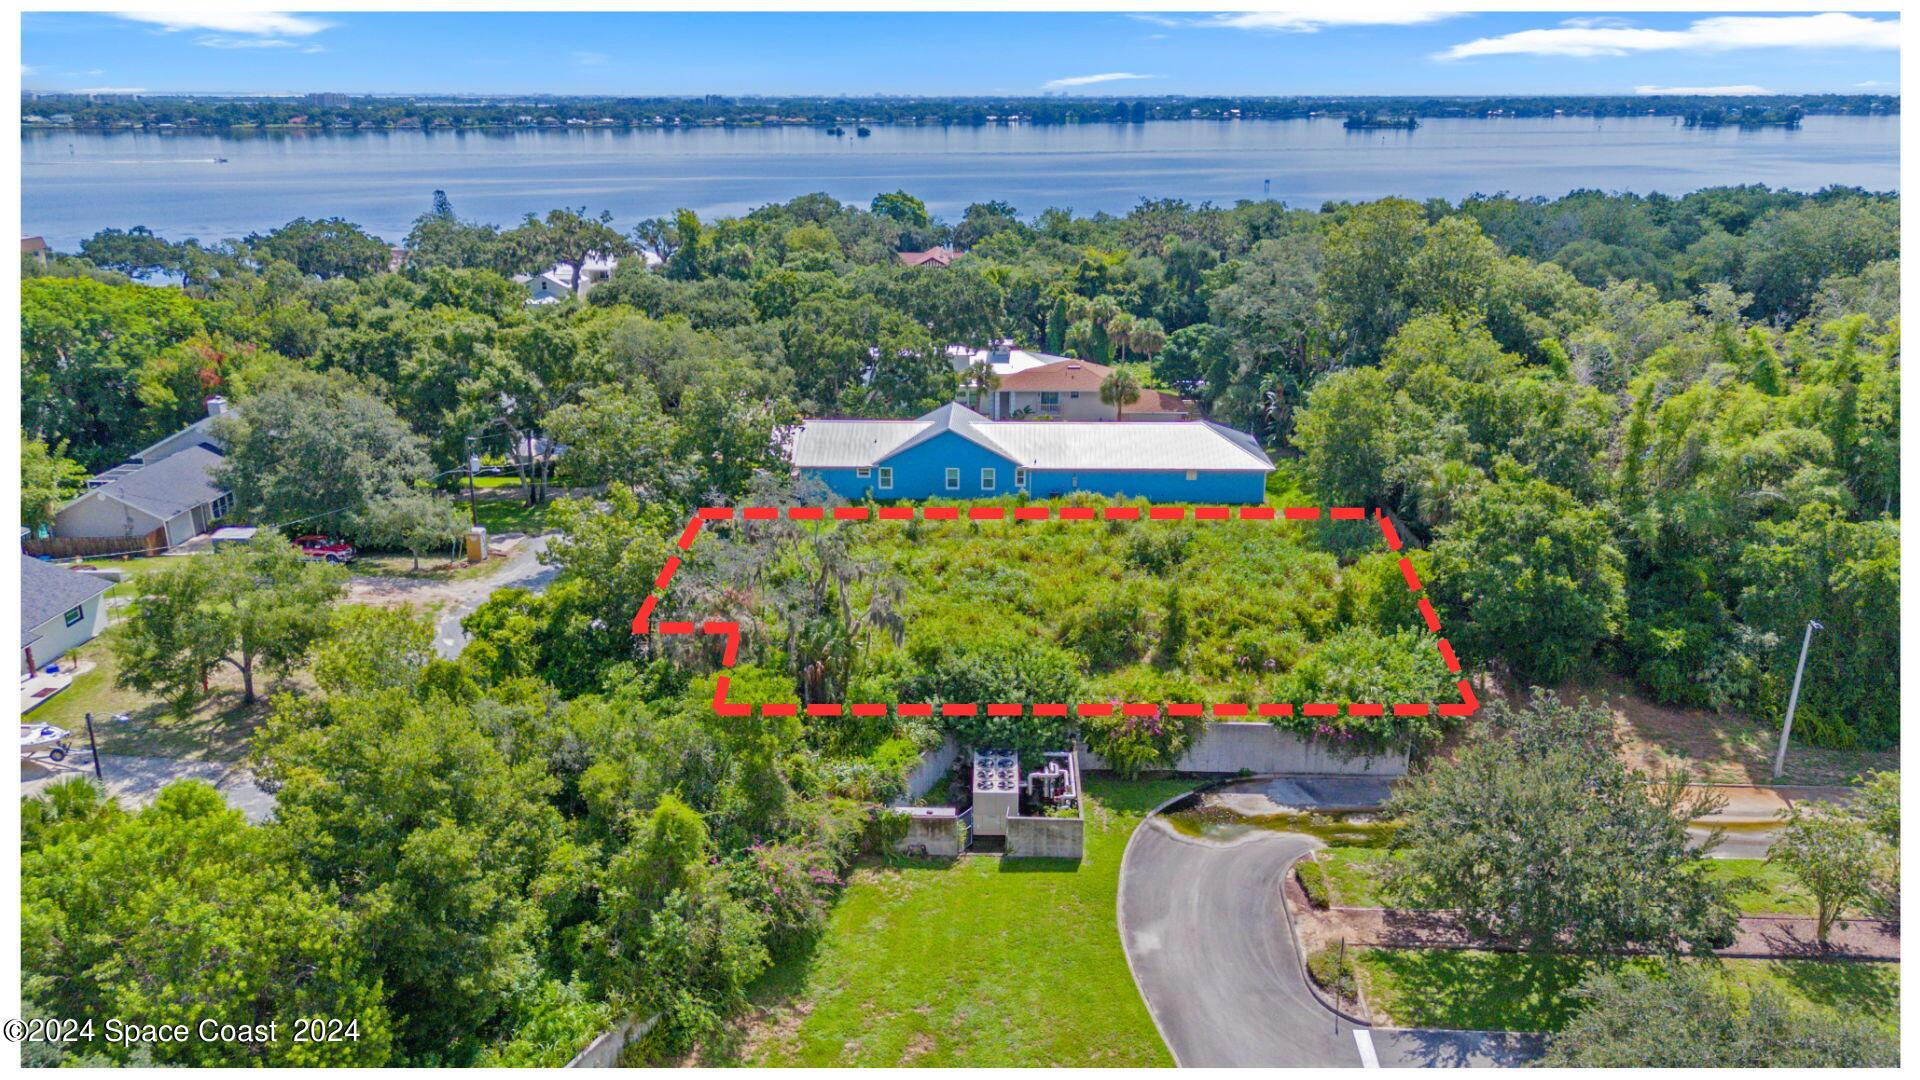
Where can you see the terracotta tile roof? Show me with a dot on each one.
(940, 256)
(1086, 377)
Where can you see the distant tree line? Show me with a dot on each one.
(335, 111)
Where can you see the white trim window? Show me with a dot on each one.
(862, 472)
(1193, 474)
(953, 479)
(989, 479)
(886, 478)
(1020, 479)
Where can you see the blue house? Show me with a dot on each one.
(955, 453)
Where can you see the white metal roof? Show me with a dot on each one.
(1037, 444)
(848, 444)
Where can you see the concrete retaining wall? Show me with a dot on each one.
(604, 1052)
(1258, 747)
(934, 831)
(933, 768)
(1045, 837)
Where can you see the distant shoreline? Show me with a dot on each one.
(1408, 125)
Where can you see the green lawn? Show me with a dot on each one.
(977, 962)
(1758, 888)
(1353, 875)
(1449, 988)
(217, 730)
(512, 514)
(1762, 889)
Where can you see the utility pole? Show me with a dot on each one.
(473, 465)
(1793, 698)
(95, 747)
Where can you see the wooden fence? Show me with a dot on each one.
(87, 547)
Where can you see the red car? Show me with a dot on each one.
(325, 547)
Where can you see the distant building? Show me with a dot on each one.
(940, 256)
(954, 452)
(157, 499)
(35, 246)
(1003, 357)
(1070, 390)
(556, 282)
(60, 610)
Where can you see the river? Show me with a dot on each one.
(213, 187)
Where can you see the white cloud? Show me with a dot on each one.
(1586, 37)
(1871, 83)
(256, 23)
(592, 59)
(1089, 80)
(1312, 20)
(107, 90)
(1741, 90)
(221, 41)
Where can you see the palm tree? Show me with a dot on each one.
(985, 382)
(1119, 390)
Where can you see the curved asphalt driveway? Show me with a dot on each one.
(1205, 932)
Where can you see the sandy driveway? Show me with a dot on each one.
(454, 600)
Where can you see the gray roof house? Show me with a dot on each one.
(159, 498)
(59, 610)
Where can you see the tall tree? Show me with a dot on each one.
(568, 237)
(252, 606)
(1541, 838)
(310, 449)
(48, 478)
(1119, 389)
(329, 248)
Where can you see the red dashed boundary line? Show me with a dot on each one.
(643, 619)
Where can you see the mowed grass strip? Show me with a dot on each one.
(978, 962)
(1758, 888)
(1463, 989)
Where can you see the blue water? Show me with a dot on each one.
(74, 184)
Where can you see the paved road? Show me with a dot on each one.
(1204, 929)
(523, 571)
(459, 598)
(136, 781)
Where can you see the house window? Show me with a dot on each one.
(75, 616)
(1020, 479)
(1049, 397)
(863, 472)
(988, 478)
(221, 505)
(1193, 474)
(1075, 394)
(886, 478)
(953, 479)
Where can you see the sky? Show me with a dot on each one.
(1363, 51)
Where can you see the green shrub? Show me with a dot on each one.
(1333, 970)
(1313, 881)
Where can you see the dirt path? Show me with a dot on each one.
(453, 599)
(1717, 749)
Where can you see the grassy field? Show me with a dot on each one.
(977, 962)
(218, 729)
(1445, 988)
(1353, 875)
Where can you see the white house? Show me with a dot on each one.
(60, 610)
(556, 282)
